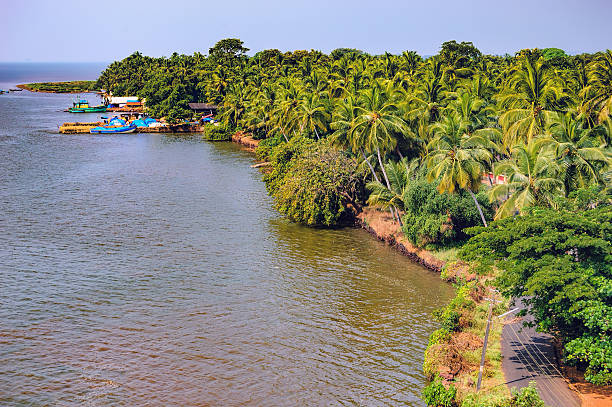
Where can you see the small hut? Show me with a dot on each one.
(203, 108)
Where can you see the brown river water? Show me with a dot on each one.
(151, 270)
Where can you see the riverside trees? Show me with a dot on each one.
(541, 119)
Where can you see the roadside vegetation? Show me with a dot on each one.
(61, 87)
(501, 163)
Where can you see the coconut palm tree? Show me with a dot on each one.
(457, 158)
(532, 179)
(390, 197)
(376, 124)
(530, 99)
(579, 152)
(472, 110)
(234, 105)
(343, 122)
(599, 89)
(375, 127)
(312, 114)
(400, 173)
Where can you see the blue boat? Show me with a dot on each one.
(113, 129)
(115, 126)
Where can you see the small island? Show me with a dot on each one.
(60, 87)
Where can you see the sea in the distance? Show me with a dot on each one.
(153, 270)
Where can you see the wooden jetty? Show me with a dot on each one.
(75, 128)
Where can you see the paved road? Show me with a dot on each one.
(529, 356)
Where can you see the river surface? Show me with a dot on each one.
(141, 270)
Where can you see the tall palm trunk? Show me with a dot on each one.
(392, 208)
(369, 165)
(478, 206)
(402, 158)
(382, 167)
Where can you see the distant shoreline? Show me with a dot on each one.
(60, 87)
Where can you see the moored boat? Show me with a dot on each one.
(115, 126)
(82, 106)
(113, 129)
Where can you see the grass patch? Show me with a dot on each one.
(446, 254)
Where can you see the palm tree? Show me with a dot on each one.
(579, 152)
(410, 61)
(284, 114)
(375, 127)
(390, 197)
(234, 105)
(343, 123)
(457, 158)
(376, 124)
(531, 96)
(472, 110)
(312, 114)
(399, 175)
(599, 89)
(532, 179)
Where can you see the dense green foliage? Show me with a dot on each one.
(406, 127)
(438, 219)
(61, 87)
(316, 188)
(437, 395)
(217, 133)
(559, 260)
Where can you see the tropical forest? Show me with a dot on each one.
(502, 164)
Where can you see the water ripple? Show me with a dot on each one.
(150, 270)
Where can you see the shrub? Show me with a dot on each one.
(439, 219)
(449, 319)
(526, 397)
(217, 133)
(265, 148)
(318, 186)
(439, 336)
(282, 157)
(435, 394)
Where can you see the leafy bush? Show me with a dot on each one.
(282, 157)
(435, 394)
(595, 352)
(217, 133)
(318, 186)
(449, 319)
(439, 336)
(526, 397)
(450, 315)
(265, 148)
(560, 261)
(439, 219)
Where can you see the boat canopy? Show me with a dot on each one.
(115, 121)
(139, 123)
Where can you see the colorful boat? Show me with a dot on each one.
(115, 126)
(113, 129)
(82, 106)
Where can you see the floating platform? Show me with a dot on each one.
(77, 127)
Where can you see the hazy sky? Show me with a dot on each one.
(90, 30)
